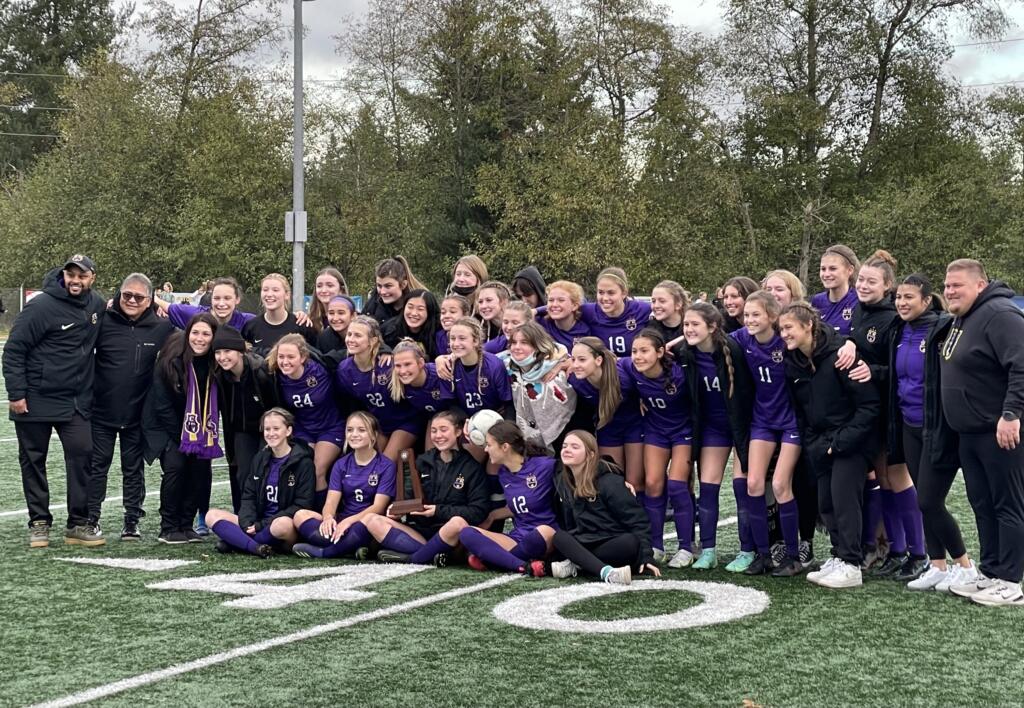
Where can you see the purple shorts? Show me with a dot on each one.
(621, 430)
(668, 439)
(335, 435)
(716, 435)
(518, 533)
(773, 435)
(409, 425)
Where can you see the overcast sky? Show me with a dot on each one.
(972, 65)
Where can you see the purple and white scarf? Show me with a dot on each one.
(199, 434)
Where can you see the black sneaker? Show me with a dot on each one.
(788, 568)
(172, 538)
(264, 550)
(130, 531)
(891, 566)
(441, 560)
(778, 552)
(192, 536)
(806, 554)
(761, 565)
(912, 569)
(223, 547)
(387, 556)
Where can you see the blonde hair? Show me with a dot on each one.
(792, 283)
(520, 306)
(504, 296)
(395, 385)
(885, 263)
(373, 333)
(676, 291)
(573, 290)
(279, 278)
(371, 424)
(970, 265)
(617, 276)
(296, 340)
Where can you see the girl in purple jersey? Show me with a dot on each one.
(362, 483)
(773, 425)
(328, 284)
(516, 313)
(734, 294)
(562, 314)
(784, 286)
(838, 273)
(225, 297)
(468, 274)
(616, 318)
(668, 435)
(365, 378)
(668, 302)
(307, 391)
(528, 479)
(453, 309)
(416, 381)
(598, 377)
(479, 379)
(340, 311)
(491, 299)
(277, 485)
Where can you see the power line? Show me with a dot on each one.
(22, 73)
(994, 83)
(30, 135)
(36, 108)
(986, 43)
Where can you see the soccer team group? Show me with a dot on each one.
(587, 423)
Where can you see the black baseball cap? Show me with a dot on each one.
(83, 262)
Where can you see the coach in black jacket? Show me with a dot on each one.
(131, 335)
(48, 370)
(983, 398)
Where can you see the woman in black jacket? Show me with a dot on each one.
(455, 496)
(604, 530)
(180, 420)
(280, 482)
(838, 427)
(919, 433)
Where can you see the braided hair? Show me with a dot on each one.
(716, 326)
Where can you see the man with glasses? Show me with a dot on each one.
(48, 369)
(131, 335)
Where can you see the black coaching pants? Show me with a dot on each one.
(995, 488)
(33, 444)
(933, 482)
(133, 478)
(240, 449)
(841, 501)
(592, 557)
(184, 480)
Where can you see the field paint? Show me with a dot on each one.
(147, 564)
(339, 586)
(150, 677)
(723, 602)
(60, 505)
(727, 521)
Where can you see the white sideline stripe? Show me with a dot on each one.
(61, 505)
(727, 521)
(145, 679)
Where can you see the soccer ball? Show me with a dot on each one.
(479, 424)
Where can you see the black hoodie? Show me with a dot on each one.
(126, 352)
(983, 362)
(48, 358)
(243, 401)
(834, 412)
(533, 276)
(295, 488)
(871, 329)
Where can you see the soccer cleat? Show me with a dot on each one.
(264, 550)
(474, 562)
(778, 552)
(1002, 594)
(84, 535)
(682, 559)
(929, 579)
(387, 556)
(806, 554)
(172, 538)
(362, 553)
(618, 576)
(38, 534)
(441, 560)
(707, 560)
(788, 568)
(845, 575)
(564, 569)
(891, 567)
(223, 547)
(958, 575)
(535, 569)
(741, 562)
(659, 555)
(130, 531)
(307, 550)
(200, 526)
(192, 536)
(826, 569)
(761, 565)
(873, 557)
(912, 569)
(972, 587)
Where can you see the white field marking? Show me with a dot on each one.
(339, 586)
(723, 602)
(146, 564)
(108, 500)
(150, 677)
(727, 521)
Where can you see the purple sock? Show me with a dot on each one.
(872, 512)
(264, 537)
(708, 514)
(433, 546)
(893, 523)
(655, 508)
(488, 551)
(398, 540)
(310, 531)
(234, 536)
(682, 512)
(739, 489)
(758, 512)
(319, 499)
(531, 547)
(356, 536)
(789, 519)
(913, 523)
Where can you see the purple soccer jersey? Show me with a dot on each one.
(311, 399)
(441, 340)
(485, 385)
(667, 420)
(626, 425)
(529, 493)
(434, 395)
(910, 360)
(617, 332)
(714, 414)
(772, 406)
(271, 485)
(496, 345)
(567, 338)
(359, 484)
(839, 315)
(180, 313)
(370, 390)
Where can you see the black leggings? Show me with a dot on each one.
(841, 502)
(941, 532)
(592, 557)
(805, 491)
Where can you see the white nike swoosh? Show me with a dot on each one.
(256, 341)
(506, 486)
(67, 326)
(749, 352)
(255, 477)
(793, 437)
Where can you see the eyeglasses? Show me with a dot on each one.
(134, 297)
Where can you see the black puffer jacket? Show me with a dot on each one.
(295, 488)
(456, 488)
(871, 329)
(244, 401)
(48, 358)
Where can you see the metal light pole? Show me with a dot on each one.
(295, 220)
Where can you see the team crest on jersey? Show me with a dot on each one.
(291, 479)
(923, 346)
(484, 382)
(459, 482)
(847, 313)
(872, 335)
(777, 355)
(531, 481)
(670, 388)
(373, 479)
(94, 318)
(382, 379)
(435, 394)
(631, 324)
(310, 381)
(192, 423)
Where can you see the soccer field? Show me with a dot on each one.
(208, 629)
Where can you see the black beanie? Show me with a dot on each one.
(228, 338)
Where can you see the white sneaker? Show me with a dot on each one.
(958, 575)
(845, 575)
(564, 569)
(620, 576)
(1002, 594)
(659, 555)
(682, 559)
(928, 580)
(826, 569)
(972, 587)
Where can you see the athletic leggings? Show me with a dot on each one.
(592, 557)
(941, 532)
(841, 500)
